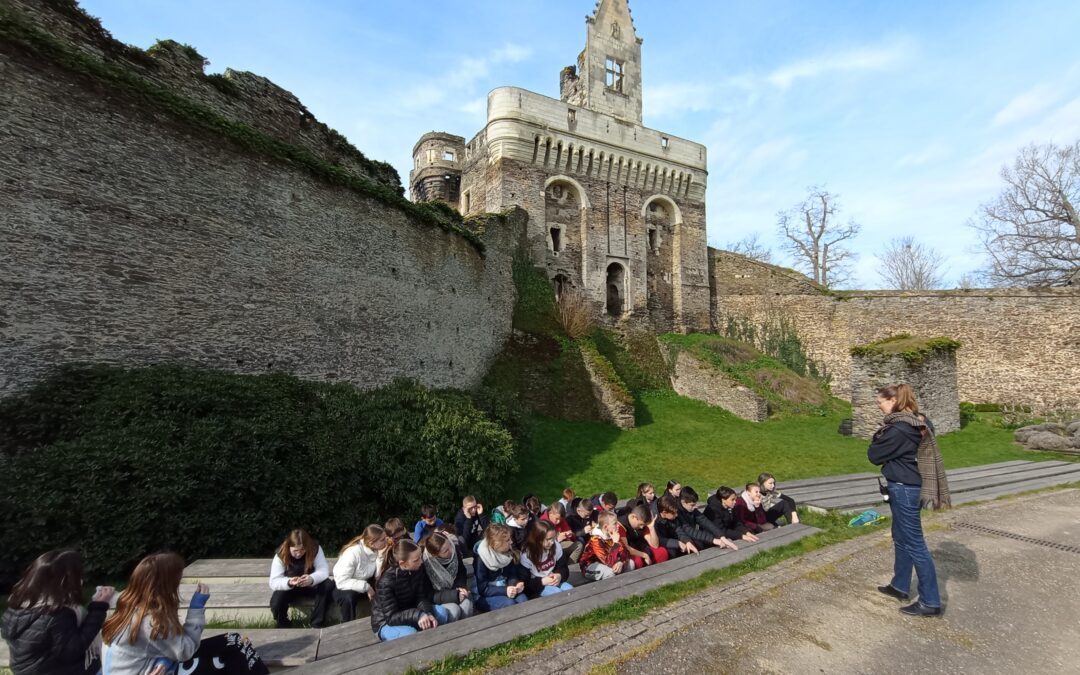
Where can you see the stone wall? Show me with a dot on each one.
(698, 380)
(933, 379)
(1018, 345)
(127, 237)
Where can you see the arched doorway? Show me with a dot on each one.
(616, 289)
(560, 283)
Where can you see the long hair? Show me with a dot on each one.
(643, 487)
(395, 529)
(434, 543)
(904, 395)
(762, 477)
(297, 538)
(402, 549)
(534, 543)
(369, 536)
(152, 591)
(52, 581)
(498, 535)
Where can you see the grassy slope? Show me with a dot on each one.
(704, 447)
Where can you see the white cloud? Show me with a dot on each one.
(462, 79)
(678, 97)
(1026, 105)
(934, 152)
(862, 59)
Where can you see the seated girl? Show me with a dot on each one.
(748, 510)
(564, 533)
(605, 555)
(144, 635)
(359, 563)
(674, 488)
(449, 578)
(46, 627)
(299, 570)
(646, 495)
(776, 504)
(496, 570)
(502, 512)
(402, 603)
(543, 561)
(720, 510)
(395, 530)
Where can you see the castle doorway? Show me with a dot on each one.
(616, 289)
(561, 284)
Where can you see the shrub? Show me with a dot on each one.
(967, 413)
(574, 314)
(123, 462)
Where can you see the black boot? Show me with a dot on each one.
(919, 609)
(892, 592)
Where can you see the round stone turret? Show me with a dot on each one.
(437, 163)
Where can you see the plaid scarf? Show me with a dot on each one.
(935, 487)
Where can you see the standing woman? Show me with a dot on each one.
(45, 625)
(905, 449)
(300, 570)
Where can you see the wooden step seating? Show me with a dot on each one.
(354, 648)
(857, 492)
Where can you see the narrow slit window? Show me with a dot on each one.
(664, 142)
(571, 115)
(652, 239)
(614, 69)
(556, 239)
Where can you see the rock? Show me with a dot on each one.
(1024, 434)
(1045, 440)
(1073, 429)
(1074, 442)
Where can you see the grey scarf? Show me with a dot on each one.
(441, 571)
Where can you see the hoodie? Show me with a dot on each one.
(751, 517)
(895, 449)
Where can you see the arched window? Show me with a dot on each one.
(616, 290)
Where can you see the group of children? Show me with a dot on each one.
(522, 550)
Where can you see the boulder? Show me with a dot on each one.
(1074, 442)
(1045, 440)
(1073, 429)
(1023, 434)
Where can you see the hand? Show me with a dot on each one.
(615, 537)
(646, 558)
(159, 669)
(103, 594)
(724, 542)
(617, 567)
(564, 536)
(304, 581)
(463, 594)
(690, 547)
(549, 580)
(749, 536)
(294, 581)
(202, 588)
(682, 547)
(479, 508)
(371, 594)
(511, 591)
(427, 622)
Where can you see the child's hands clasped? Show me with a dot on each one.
(427, 622)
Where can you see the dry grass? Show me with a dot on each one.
(732, 351)
(791, 387)
(574, 314)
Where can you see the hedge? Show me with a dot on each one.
(119, 463)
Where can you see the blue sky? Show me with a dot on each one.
(907, 111)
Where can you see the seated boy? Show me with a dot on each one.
(470, 522)
(642, 542)
(667, 528)
(605, 555)
(749, 512)
(564, 533)
(580, 518)
(694, 525)
(427, 523)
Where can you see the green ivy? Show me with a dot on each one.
(603, 368)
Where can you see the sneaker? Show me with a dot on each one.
(893, 593)
(919, 609)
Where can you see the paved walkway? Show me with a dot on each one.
(1011, 605)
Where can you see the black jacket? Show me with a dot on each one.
(695, 526)
(668, 533)
(634, 538)
(50, 642)
(401, 598)
(895, 449)
(470, 529)
(724, 519)
(580, 526)
(450, 596)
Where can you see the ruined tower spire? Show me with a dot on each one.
(607, 77)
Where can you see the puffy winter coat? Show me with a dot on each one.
(724, 519)
(401, 598)
(50, 642)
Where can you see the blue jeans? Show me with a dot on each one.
(552, 590)
(389, 632)
(910, 546)
(494, 602)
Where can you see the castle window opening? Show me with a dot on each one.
(614, 70)
(571, 115)
(652, 239)
(560, 284)
(467, 198)
(664, 142)
(448, 155)
(616, 290)
(556, 240)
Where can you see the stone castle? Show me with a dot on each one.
(616, 209)
(150, 212)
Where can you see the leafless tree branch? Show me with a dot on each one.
(815, 240)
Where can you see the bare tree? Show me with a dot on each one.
(1031, 232)
(968, 281)
(751, 247)
(815, 237)
(908, 265)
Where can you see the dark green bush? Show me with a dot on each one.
(123, 462)
(967, 413)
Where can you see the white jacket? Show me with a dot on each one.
(280, 582)
(356, 568)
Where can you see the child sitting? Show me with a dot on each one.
(502, 513)
(299, 570)
(694, 525)
(775, 503)
(429, 520)
(667, 528)
(535, 508)
(642, 542)
(606, 554)
(395, 530)
(564, 533)
(543, 561)
(470, 521)
(402, 603)
(646, 494)
(580, 518)
(359, 563)
(674, 487)
(567, 497)
(749, 512)
(448, 577)
(520, 521)
(721, 512)
(496, 570)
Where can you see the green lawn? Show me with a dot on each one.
(683, 439)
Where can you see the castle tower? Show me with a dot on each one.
(607, 77)
(436, 172)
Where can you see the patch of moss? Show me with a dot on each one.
(912, 349)
(189, 52)
(636, 358)
(605, 370)
(534, 310)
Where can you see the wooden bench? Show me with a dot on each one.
(857, 492)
